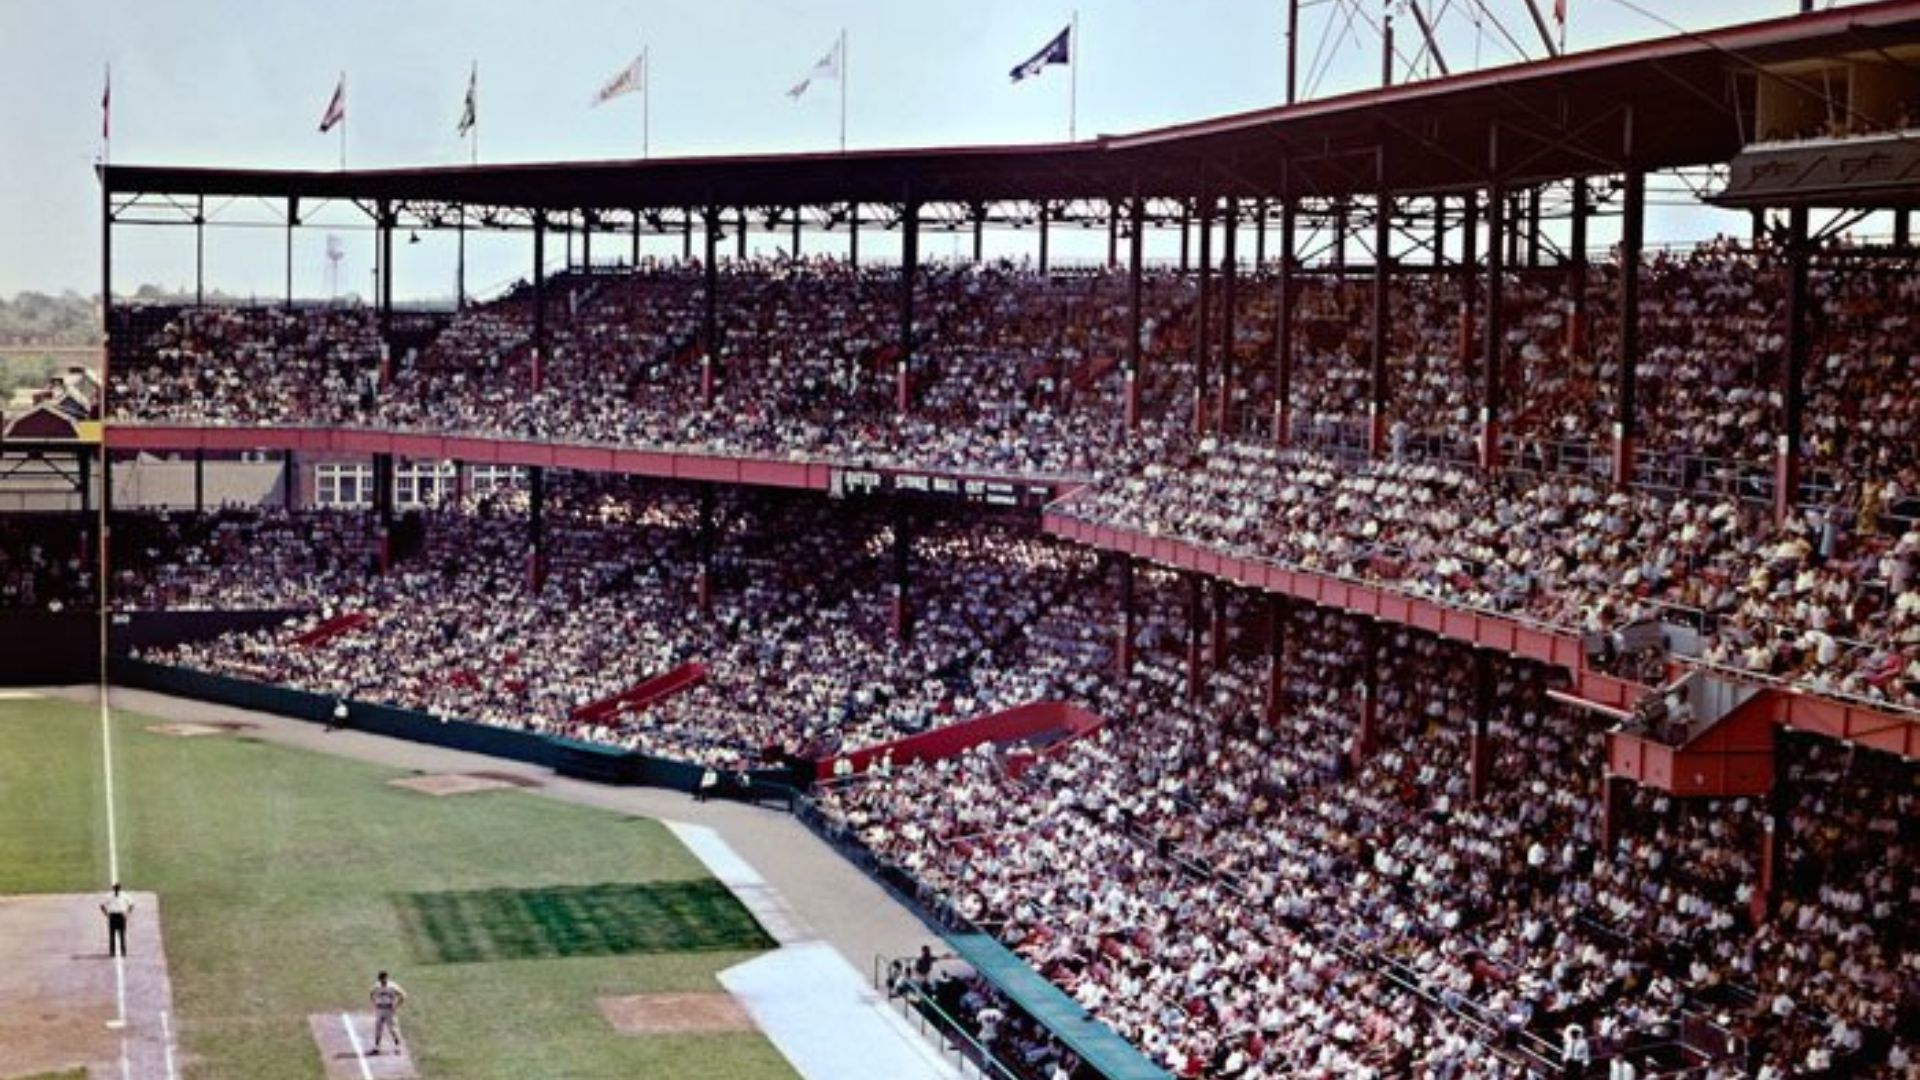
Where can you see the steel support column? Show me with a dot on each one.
(1259, 235)
(200, 252)
(1382, 281)
(293, 221)
(710, 331)
(1626, 420)
(1283, 332)
(387, 221)
(796, 233)
(1469, 279)
(1113, 234)
(1494, 345)
(536, 526)
(1136, 314)
(1793, 390)
(1279, 614)
(909, 269)
(1186, 233)
(1479, 746)
(1229, 282)
(1577, 271)
(539, 300)
(289, 481)
(199, 481)
(1043, 237)
(740, 236)
(853, 234)
(1203, 320)
(979, 235)
(1217, 626)
(383, 508)
(1194, 615)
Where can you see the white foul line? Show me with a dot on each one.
(166, 1032)
(106, 757)
(353, 1037)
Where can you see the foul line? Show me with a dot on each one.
(353, 1037)
(166, 1032)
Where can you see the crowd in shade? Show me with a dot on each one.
(46, 564)
(797, 661)
(1251, 891)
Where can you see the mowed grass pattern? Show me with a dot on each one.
(585, 920)
(277, 872)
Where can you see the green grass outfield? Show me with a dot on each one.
(283, 879)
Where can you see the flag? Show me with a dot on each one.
(337, 107)
(106, 106)
(1560, 12)
(467, 112)
(828, 67)
(631, 78)
(1057, 51)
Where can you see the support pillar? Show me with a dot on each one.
(1626, 427)
(1366, 733)
(1279, 614)
(1340, 230)
(1577, 271)
(1793, 390)
(740, 236)
(1533, 228)
(1614, 796)
(1113, 234)
(1479, 746)
(536, 526)
(686, 235)
(1043, 237)
(1203, 320)
(1136, 315)
(586, 244)
(979, 234)
(1902, 229)
(902, 573)
(1382, 280)
(1469, 280)
(539, 301)
(1217, 628)
(796, 234)
(853, 234)
(387, 221)
(289, 481)
(383, 508)
(1494, 346)
(1194, 615)
(1123, 648)
(199, 481)
(710, 332)
(1259, 235)
(909, 269)
(703, 578)
(1283, 333)
(293, 222)
(1186, 231)
(200, 253)
(1229, 282)
(1773, 848)
(633, 257)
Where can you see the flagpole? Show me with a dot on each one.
(473, 133)
(646, 101)
(106, 119)
(1073, 75)
(343, 121)
(843, 89)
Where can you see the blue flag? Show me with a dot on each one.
(1056, 51)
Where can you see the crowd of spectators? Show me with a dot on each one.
(46, 563)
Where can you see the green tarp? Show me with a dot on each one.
(1110, 1055)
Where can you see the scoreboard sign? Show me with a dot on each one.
(1013, 494)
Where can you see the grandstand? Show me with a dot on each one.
(1400, 637)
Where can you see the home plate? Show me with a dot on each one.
(450, 783)
(345, 1040)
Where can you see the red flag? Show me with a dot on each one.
(1560, 12)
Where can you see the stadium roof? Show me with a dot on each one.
(1688, 97)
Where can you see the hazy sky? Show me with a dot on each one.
(243, 83)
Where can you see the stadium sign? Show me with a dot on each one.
(972, 489)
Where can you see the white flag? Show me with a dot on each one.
(632, 78)
(828, 67)
(469, 113)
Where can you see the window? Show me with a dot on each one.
(343, 486)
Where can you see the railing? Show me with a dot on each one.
(974, 1057)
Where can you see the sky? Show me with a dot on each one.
(244, 82)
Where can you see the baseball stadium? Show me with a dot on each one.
(1389, 548)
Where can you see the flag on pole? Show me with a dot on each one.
(828, 67)
(336, 108)
(106, 106)
(1057, 51)
(632, 78)
(468, 111)
(1560, 12)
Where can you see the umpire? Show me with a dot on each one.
(117, 907)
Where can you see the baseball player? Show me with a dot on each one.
(117, 907)
(387, 997)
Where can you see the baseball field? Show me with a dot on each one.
(534, 938)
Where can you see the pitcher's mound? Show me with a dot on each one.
(345, 1040)
(450, 783)
(675, 1014)
(188, 730)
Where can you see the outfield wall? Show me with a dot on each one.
(571, 757)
